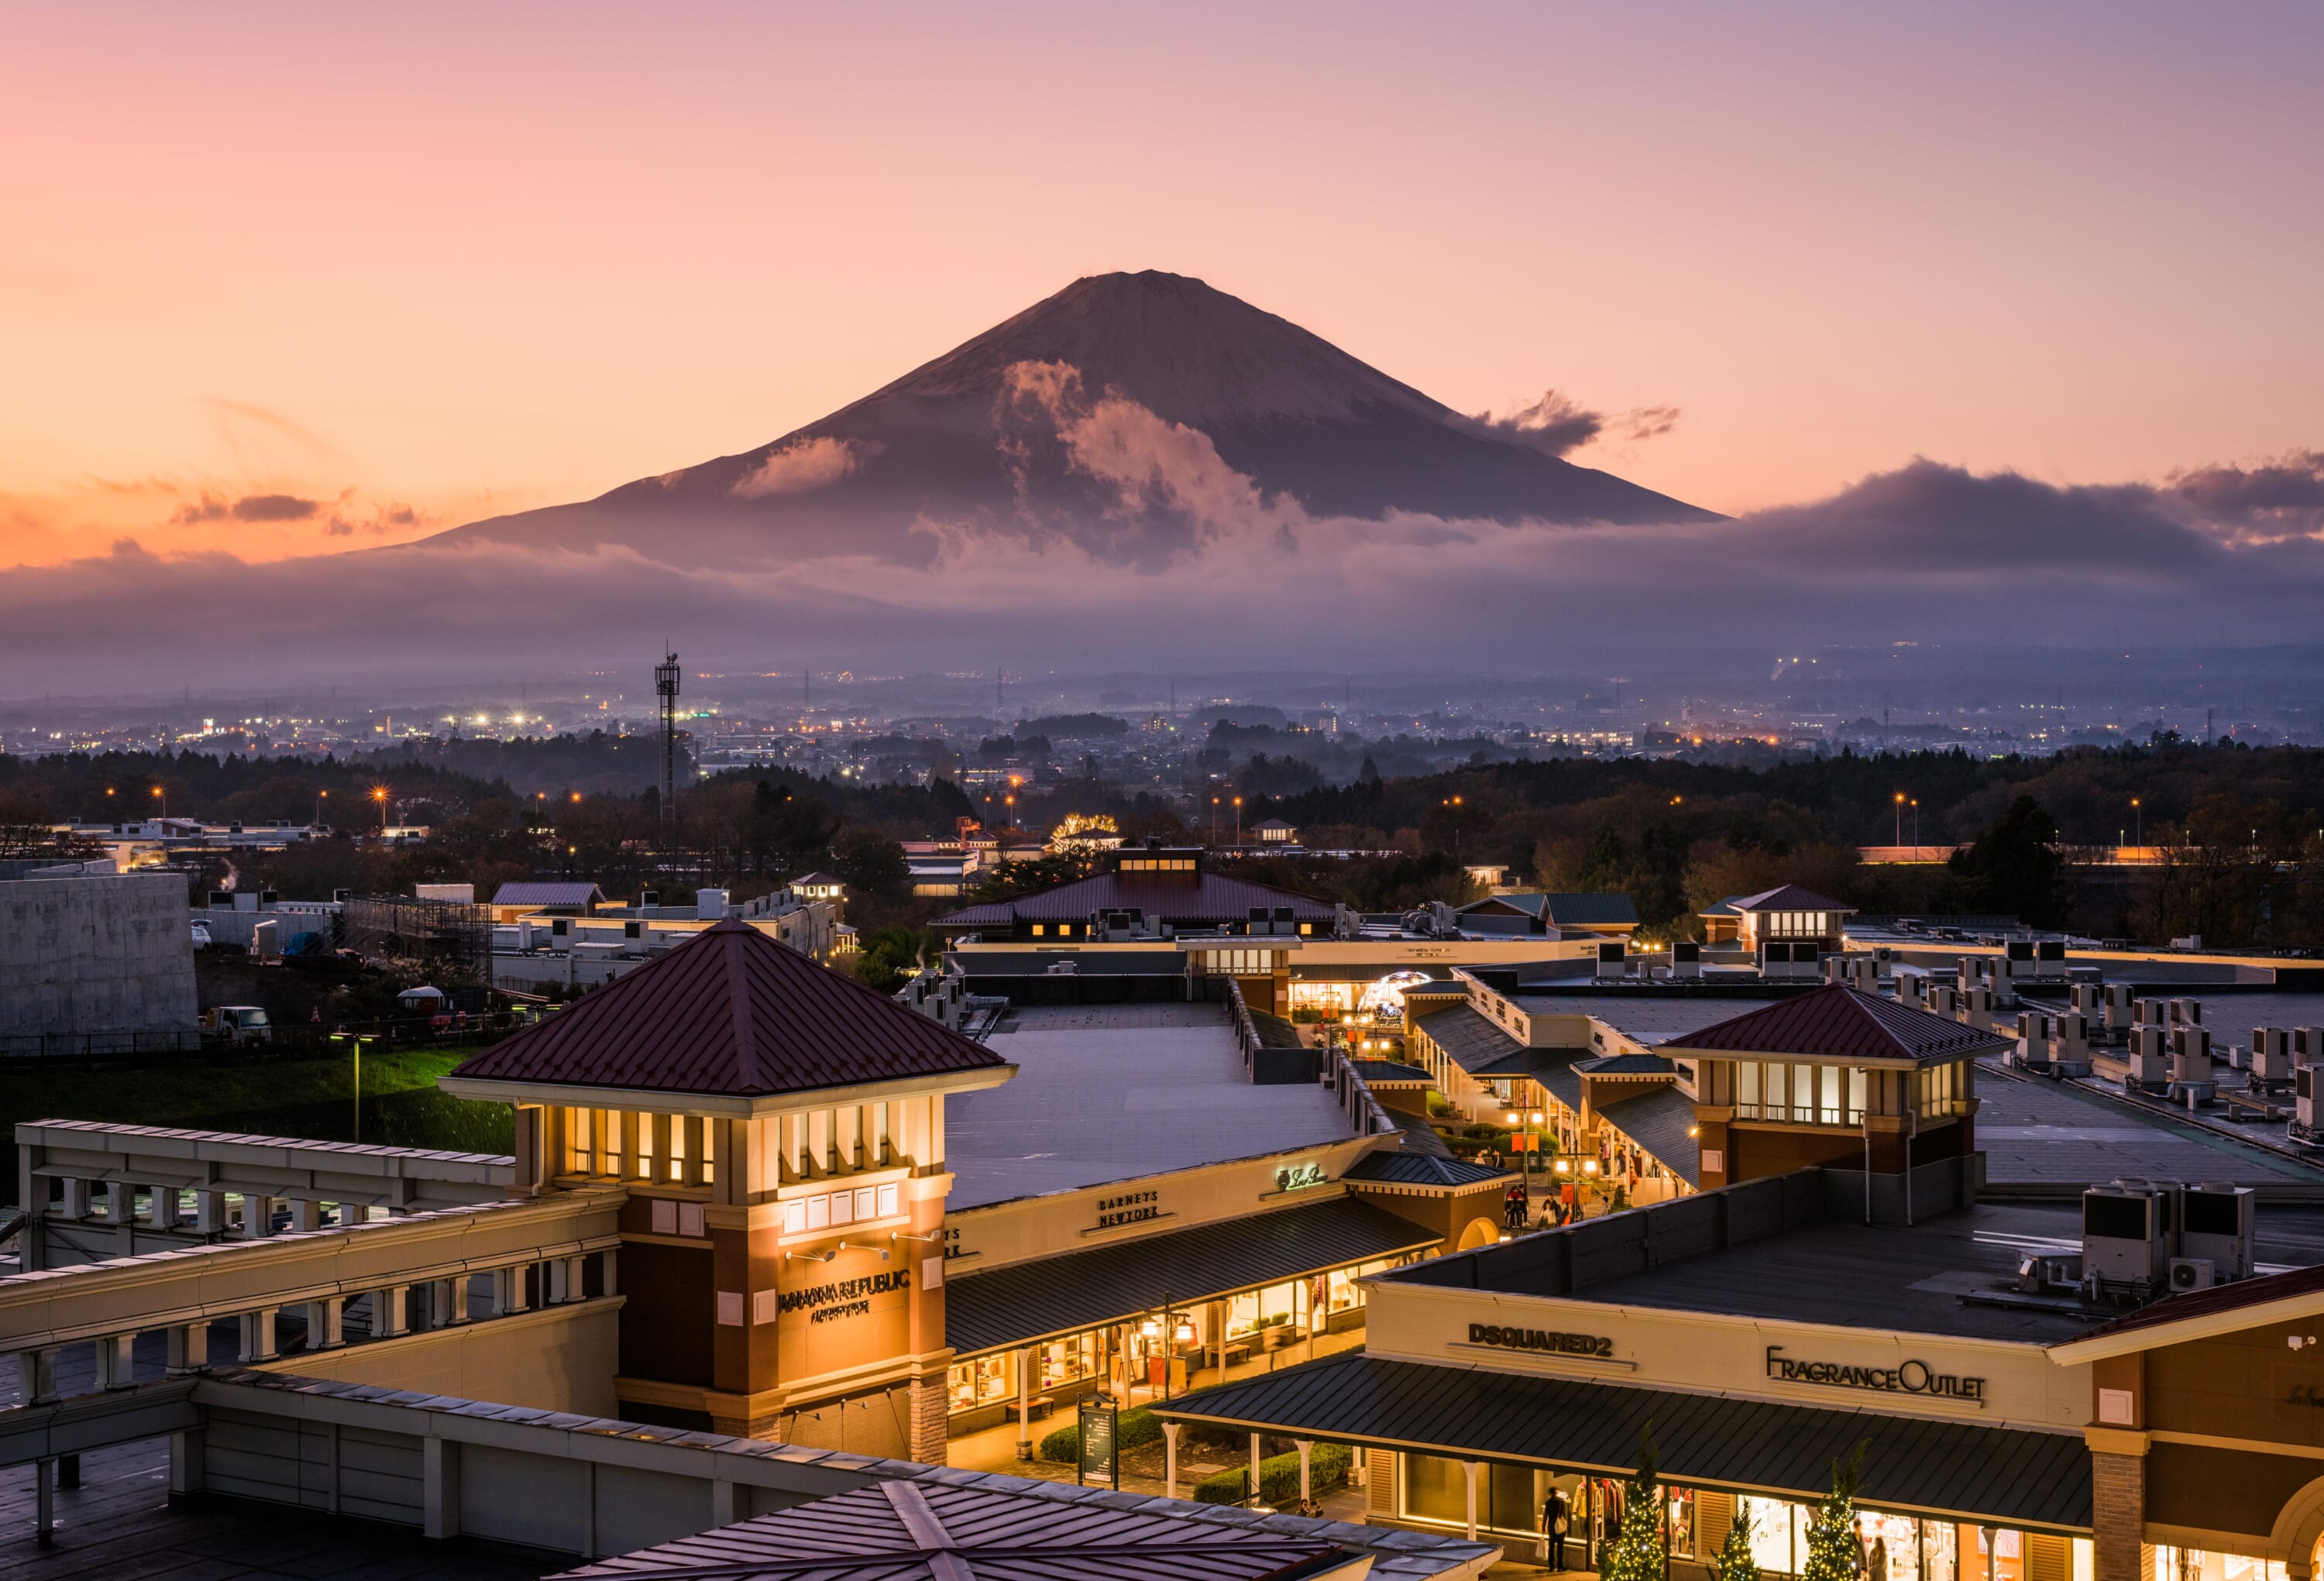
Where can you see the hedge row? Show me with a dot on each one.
(1135, 1428)
(1278, 1477)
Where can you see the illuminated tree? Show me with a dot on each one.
(1833, 1553)
(1636, 1554)
(1733, 1561)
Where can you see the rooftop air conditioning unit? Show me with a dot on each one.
(2189, 1012)
(2125, 1236)
(2190, 1055)
(2219, 1225)
(2192, 1273)
(1612, 961)
(2119, 1005)
(648, 898)
(2050, 957)
(2270, 1054)
(1686, 960)
(2307, 1045)
(2149, 1060)
(2303, 1101)
(2150, 1012)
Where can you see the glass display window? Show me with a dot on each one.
(2194, 1564)
(1891, 1545)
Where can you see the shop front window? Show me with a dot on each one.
(2195, 1564)
(1436, 1488)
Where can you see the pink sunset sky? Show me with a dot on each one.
(287, 278)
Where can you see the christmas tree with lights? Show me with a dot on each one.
(1832, 1551)
(1636, 1554)
(1733, 1561)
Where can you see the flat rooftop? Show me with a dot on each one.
(1949, 1274)
(1116, 1092)
(2059, 1134)
(1647, 1018)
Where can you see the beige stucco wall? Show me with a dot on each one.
(1068, 1221)
(1727, 1355)
(553, 1358)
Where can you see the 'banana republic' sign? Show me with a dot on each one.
(843, 1298)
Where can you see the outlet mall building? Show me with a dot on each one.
(1764, 1327)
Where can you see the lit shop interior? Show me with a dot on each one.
(1152, 1356)
(1695, 1521)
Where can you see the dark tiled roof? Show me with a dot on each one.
(1839, 1023)
(730, 1012)
(1207, 898)
(1389, 1071)
(2010, 1476)
(1418, 1169)
(532, 894)
(1591, 911)
(1625, 1065)
(924, 1530)
(1788, 897)
(1662, 1123)
(2222, 1297)
(1105, 1283)
(1470, 1040)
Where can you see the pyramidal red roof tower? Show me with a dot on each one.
(730, 1014)
(1840, 1024)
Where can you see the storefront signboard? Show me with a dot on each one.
(1129, 1207)
(1298, 1177)
(842, 1298)
(1912, 1377)
(1100, 1456)
(1598, 1344)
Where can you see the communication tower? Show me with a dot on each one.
(665, 689)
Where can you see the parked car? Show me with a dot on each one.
(201, 934)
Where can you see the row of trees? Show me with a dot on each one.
(1637, 1551)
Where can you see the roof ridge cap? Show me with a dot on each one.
(738, 992)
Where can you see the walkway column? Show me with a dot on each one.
(508, 1291)
(190, 1349)
(387, 1311)
(1254, 1467)
(1170, 1459)
(1469, 1470)
(114, 1361)
(1024, 1362)
(325, 1324)
(257, 1217)
(1219, 1335)
(306, 1215)
(162, 1207)
(1307, 1486)
(209, 1212)
(36, 1371)
(258, 1335)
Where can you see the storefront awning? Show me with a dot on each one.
(2008, 1476)
(1076, 1290)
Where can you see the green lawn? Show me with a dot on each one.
(310, 1098)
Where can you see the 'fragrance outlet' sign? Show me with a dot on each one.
(1913, 1378)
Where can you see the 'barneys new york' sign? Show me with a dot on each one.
(1913, 1378)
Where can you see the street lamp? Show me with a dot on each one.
(165, 800)
(1900, 817)
(355, 1040)
(379, 795)
(1238, 805)
(2137, 829)
(319, 806)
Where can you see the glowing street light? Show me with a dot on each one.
(165, 800)
(379, 795)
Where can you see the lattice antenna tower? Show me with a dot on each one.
(665, 689)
